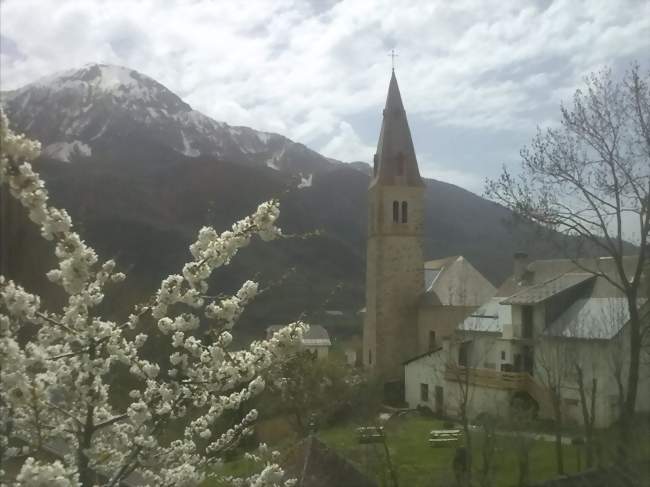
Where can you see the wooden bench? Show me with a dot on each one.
(444, 437)
(370, 434)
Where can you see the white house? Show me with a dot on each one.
(548, 324)
(316, 339)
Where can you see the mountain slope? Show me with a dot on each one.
(76, 112)
(141, 172)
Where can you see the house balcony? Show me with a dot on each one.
(495, 379)
(517, 381)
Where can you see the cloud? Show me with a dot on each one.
(306, 69)
(346, 145)
(446, 172)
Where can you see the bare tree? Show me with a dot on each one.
(488, 445)
(589, 178)
(467, 351)
(554, 364)
(588, 408)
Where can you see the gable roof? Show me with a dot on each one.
(540, 271)
(485, 318)
(422, 355)
(580, 304)
(592, 318)
(316, 336)
(541, 292)
(455, 282)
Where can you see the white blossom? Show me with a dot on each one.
(57, 384)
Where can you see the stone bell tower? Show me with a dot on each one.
(394, 260)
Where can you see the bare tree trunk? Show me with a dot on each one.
(629, 405)
(487, 452)
(391, 468)
(524, 467)
(300, 424)
(588, 414)
(466, 431)
(467, 477)
(557, 410)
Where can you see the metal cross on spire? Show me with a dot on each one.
(392, 58)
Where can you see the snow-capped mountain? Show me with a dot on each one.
(76, 112)
(145, 171)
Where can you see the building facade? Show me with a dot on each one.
(410, 303)
(551, 326)
(394, 258)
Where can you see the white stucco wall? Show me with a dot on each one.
(598, 358)
(430, 370)
(425, 370)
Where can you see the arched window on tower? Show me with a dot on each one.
(395, 211)
(405, 211)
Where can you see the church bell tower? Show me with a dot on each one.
(394, 260)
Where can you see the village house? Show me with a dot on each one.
(550, 322)
(316, 339)
(453, 289)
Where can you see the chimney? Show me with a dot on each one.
(520, 264)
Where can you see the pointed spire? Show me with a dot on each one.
(395, 162)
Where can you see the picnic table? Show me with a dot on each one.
(444, 437)
(370, 434)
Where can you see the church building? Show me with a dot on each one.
(402, 315)
(431, 328)
(394, 270)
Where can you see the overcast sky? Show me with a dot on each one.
(477, 76)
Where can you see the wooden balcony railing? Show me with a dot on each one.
(487, 377)
(513, 381)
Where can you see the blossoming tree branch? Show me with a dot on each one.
(56, 384)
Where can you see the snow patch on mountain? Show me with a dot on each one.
(102, 103)
(65, 151)
(187, 147)
(112, 77)
(101, 131)
(305, 182)
(273, 161)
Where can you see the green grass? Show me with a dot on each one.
(418, 464)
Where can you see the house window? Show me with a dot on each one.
(424, 392)
(405, 209)
(395, 211)
(440, 400)
(463, 353)
(503, 354)
(432, 340)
